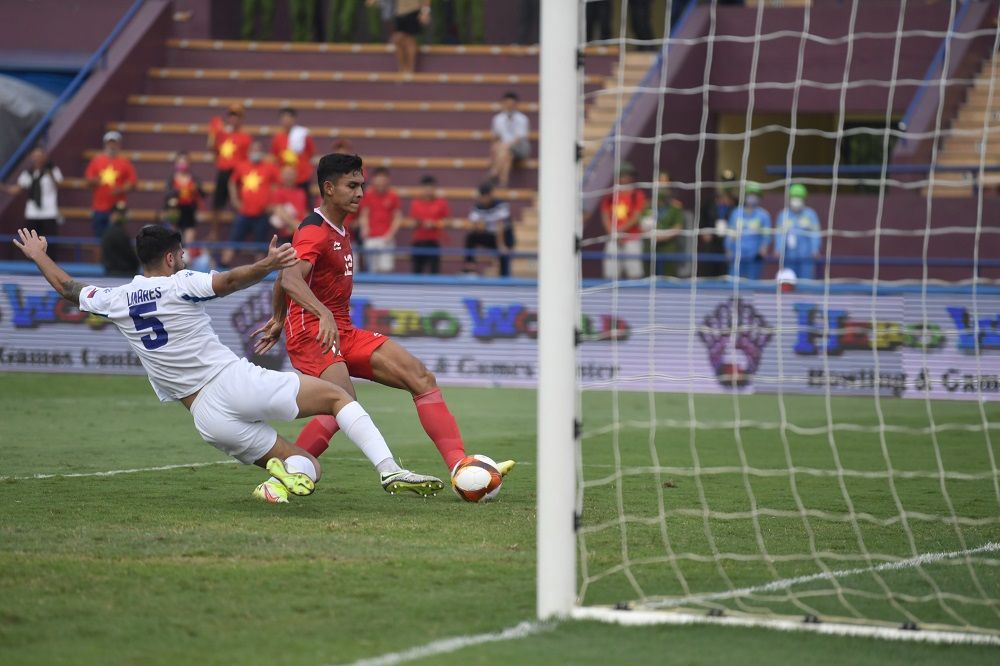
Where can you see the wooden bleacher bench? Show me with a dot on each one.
(276, 103)
(345, 76)
(320, 132)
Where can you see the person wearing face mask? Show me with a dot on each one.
(798, 234)
(250, 192)
(747, 235)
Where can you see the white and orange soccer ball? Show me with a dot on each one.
(476, 479)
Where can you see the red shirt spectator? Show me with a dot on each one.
(231, 148)
(111, 173)
(382, 208)
(254, 183)
(302, 161)
(624, 213)
(429, 216)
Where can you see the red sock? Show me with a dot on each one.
(440, 426)
(315, 437)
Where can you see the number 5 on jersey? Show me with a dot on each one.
(141, 314)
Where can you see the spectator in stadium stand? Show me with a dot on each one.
(490, 226)
(747, 235)
(428, 215)
(511, 144)
(528, 23)
(798, 235)
(258, 17)
(250, 191)
(117, 254)
(599, 19)
(41, 181)
(183, 194)
(623, 212)
(412, 16)
(668, 227)
(293, 146)
(341, 17)
(303, 17)
(288, 205)
(714, 221)
(230, 146)
(112, 176)
(639, 14)
(380, 218)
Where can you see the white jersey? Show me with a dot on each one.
(167, 327)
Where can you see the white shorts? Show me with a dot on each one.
(230, 410)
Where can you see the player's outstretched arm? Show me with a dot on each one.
(242, 277)
(271, 331)
(33, 246)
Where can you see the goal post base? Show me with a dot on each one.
(644, 618)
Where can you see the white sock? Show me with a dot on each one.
(301, 464)
(360, 429)
(388, 466)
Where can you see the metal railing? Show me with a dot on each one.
(74, 86)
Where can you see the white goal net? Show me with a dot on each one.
(817, 451)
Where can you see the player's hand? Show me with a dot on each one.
(31, 243)
(328, 336)
(279, 257)
(269, 334)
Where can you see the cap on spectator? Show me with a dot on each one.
(798, 190)
(626, 168)
(112, 136)
(236, 109)
(485, 188)
(753, 187)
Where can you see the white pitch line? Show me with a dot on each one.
(115, 472)
(785, 583)
(446, 645)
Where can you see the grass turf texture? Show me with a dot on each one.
(160, 567)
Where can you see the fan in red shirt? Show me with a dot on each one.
(112, 176)
(381, 217)
(231, 146)
(183, 194)
(323, 342)
(428, 215)
(250, 191)
(293, 146)
(288, 205)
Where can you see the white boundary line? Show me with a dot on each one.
(115, 472)
(648, 618)
(784, 584)
(446, 645)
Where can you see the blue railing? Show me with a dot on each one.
(936, 62)
(42, 126)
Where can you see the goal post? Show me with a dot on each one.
(558, 268)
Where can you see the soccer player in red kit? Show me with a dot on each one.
(322, 341)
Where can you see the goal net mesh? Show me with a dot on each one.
(824, 450)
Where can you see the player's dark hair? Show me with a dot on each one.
(289, 110)
(154, 241)
(331, 167)
(380, 171)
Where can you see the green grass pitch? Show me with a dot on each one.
(182, 566)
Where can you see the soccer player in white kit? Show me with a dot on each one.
(162, 316)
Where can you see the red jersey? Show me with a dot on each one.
(382, 208)
(254, 182)
(328, 249)
(428, 215)
(624, 217)
(291, 196)
(110, 172)
(301, 161)
(231, 148)
(185, 188)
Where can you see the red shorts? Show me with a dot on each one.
(356, 348)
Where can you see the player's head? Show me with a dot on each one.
(287, 117)
(380, 179)
(181, 161)
(341, 181)
(159, 250)
(428, 186)
(509, 101)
